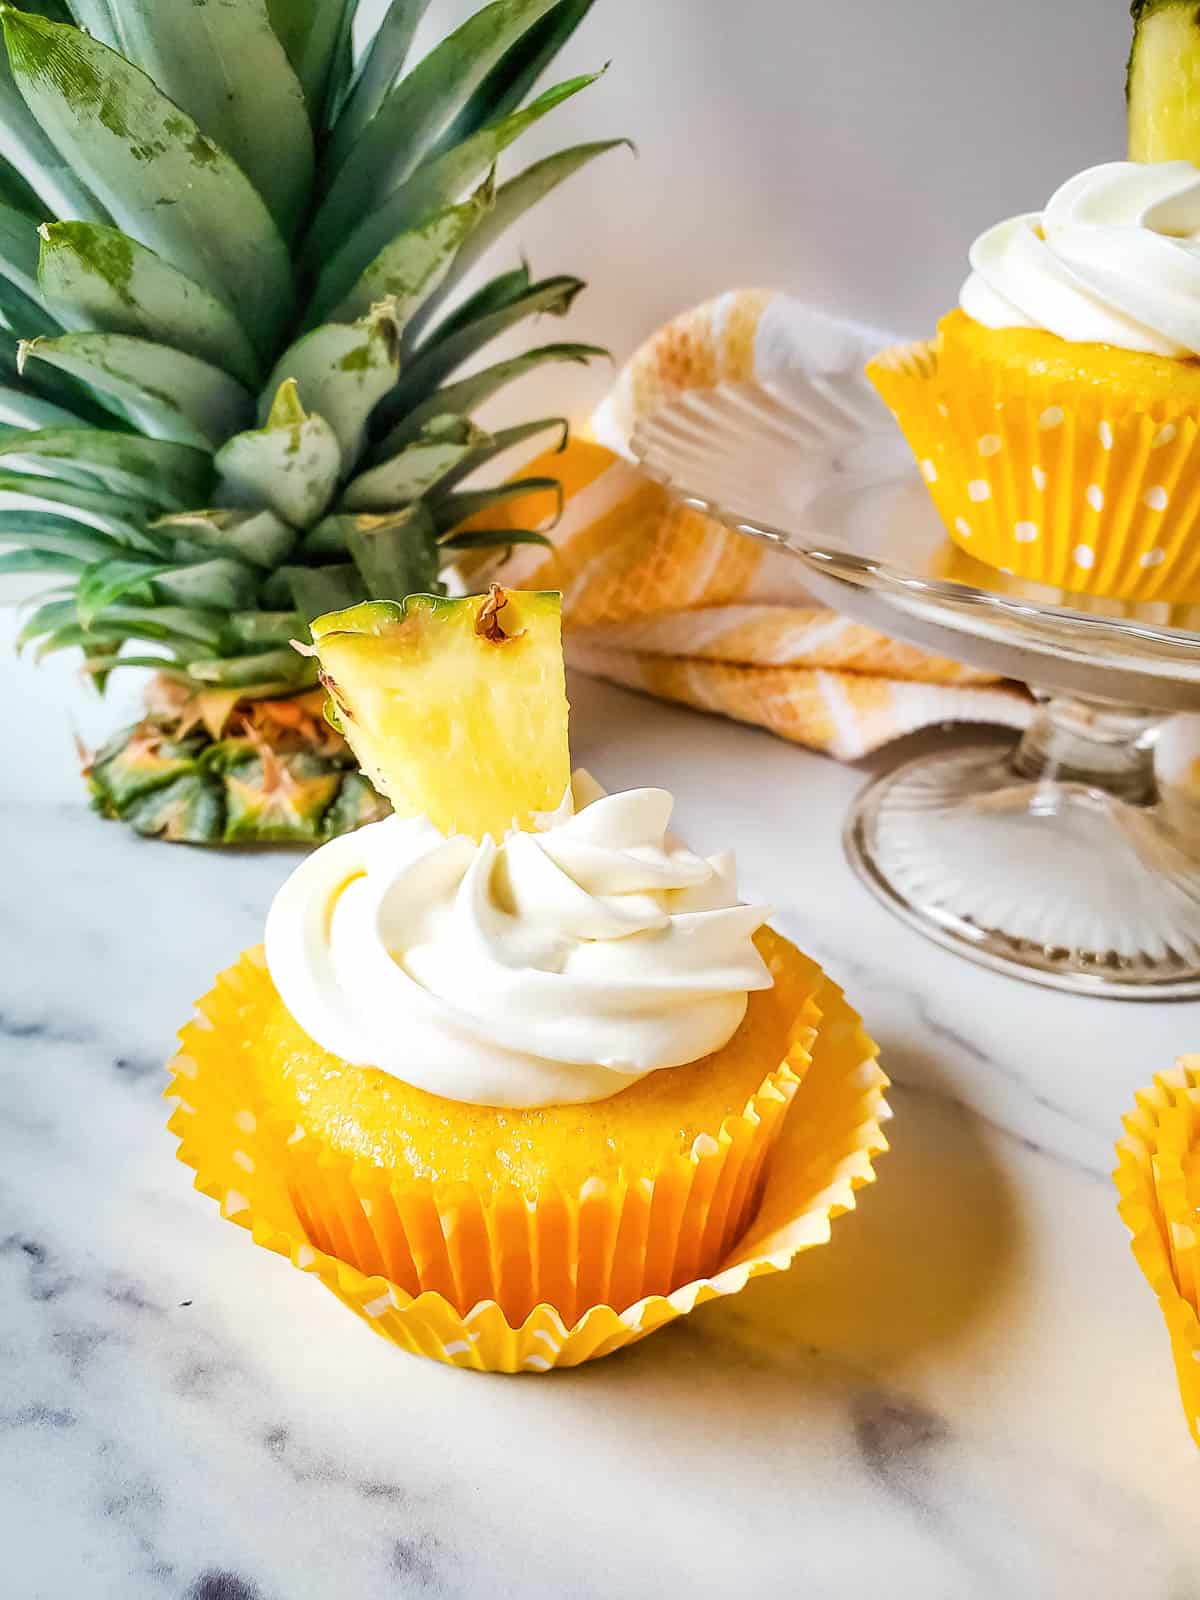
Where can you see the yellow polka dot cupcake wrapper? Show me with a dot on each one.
(1158, 1178)
(1048, 483)
(590, 1273)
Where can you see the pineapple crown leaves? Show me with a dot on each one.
(236, 309)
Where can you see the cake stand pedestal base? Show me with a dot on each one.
(1057, 861)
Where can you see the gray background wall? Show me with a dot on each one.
(847, 153)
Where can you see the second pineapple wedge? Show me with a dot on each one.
(1163, 82)
(456, 709)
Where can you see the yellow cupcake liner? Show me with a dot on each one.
(1158, 1179)
(620, 1259)
(1050, 481)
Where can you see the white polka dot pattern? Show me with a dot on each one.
(1095, 497)
(1084, 557)
(979, 489)
(1156, 498)
(1026, 532)
(990, 444)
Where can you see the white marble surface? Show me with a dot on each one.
(967, 1394)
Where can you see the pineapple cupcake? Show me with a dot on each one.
(1056, 415)
(516, 1045)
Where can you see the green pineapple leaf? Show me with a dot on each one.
(503, 290)
(25, 311)
(397, 555)
(164, 181)
(111, 580)
(16, 563)
(262, 538)
(15, 191)
(315, 590)
(19, 249)
(446, 352)
(52, 10)
(101, 278)
(263, 628)
(170, 625)
(165, 475)
(117, 515)
(281, 669)
(342, 372)
(56, 535)
(468, 394)
(177, 396)
(433, 186)
(225, 67)
(28, 151)
(290, 466)
(222, 584)
(509, 204)
(494, 539)
(19, 408)
(452, 509)
(496, 444)
(316, 36)
(99, 17)
(360, 166)
(381, 65)
(445, 444)
(59, 388)
(413, 266)
(516, 73)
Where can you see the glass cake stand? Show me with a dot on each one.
(1060, 859)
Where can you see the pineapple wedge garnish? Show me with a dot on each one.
(455, 709)
(1162, 86)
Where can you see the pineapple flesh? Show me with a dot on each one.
(1163, 81)
(455, 709)
(244, 342)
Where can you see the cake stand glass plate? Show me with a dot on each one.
(1060, 859)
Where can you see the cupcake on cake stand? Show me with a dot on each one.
(1057, 860)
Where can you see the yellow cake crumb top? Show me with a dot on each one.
(407, 1132)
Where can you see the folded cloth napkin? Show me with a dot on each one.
(661, 598)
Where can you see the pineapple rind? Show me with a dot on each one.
(199, 791)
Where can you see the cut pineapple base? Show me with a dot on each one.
(455, 709)
(1163, 84)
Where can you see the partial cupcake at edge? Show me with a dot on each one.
(1056, 415)
(517, 1044)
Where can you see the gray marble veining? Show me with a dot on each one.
(968, 1393)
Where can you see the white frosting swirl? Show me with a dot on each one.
(552, 967)
(1113, 259)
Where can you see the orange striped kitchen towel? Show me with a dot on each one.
(661, 598)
